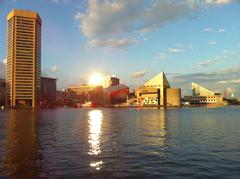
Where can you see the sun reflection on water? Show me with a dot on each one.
(95, 125)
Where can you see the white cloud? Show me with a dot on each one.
(139, 74)
(229, 81)
(210, 2)
(54, 69)
(224, 56)
(60, 1)
(104, 20)
(175, 50)
(117, 43)
(5, 61)
(218, 1)
(209, 62)
(2, 69)
(212, 43)
(208, 29)
(221, 30)
(180, 45)
(120, 16)
(211, 79)
(161, 56)
(178, 48)
(211, 29)
(225, 51)
(119, 19)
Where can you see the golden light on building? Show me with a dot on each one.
(23, 71)
(158, 92)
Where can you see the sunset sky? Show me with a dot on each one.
(190, 40)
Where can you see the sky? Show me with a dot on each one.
(190, 40)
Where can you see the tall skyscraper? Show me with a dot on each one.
(23, 72)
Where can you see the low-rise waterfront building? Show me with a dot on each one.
(85, 94)
(203, 97)
(117, 94)
(158, 92)
(61, 98)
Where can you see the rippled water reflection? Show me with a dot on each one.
(97, 143)
(95, 124)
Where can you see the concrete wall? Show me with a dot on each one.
(173, 97)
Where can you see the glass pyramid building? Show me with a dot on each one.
(158, 92)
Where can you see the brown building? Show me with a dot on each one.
(23, 68)
(2, 92)
(48, 91)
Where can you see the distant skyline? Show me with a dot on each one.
(190, 40)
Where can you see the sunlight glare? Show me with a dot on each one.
(95, 79)
(95, 127)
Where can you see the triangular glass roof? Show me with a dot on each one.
(159, 80)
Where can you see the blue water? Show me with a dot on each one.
(120, 143)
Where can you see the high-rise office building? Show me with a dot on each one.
(23, 72)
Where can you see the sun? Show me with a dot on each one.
(95, 79)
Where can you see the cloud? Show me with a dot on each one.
(139, 74)
(208, 29)
(212, 43)
(5, 61)
(221, 30)
(175, 50)
(161, 56)
(178, 48)
(117, 43)
(211, 29)
(2, 68)
(218, 1)
(214, 77)
(216, 80)
(54, 69)
(226, 51)
(119, 19)
(209, 2)
(123, 16)
(60, 1)
(229, 81)
(225, 55)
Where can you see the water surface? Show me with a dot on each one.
(120, 143)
